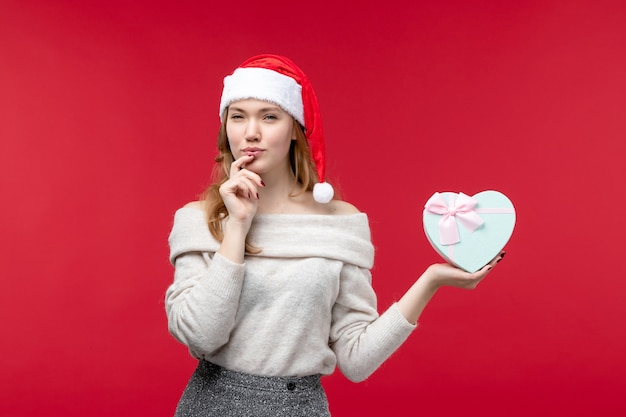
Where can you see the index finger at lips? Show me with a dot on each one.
(239, 164)
(239, 167)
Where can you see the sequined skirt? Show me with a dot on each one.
(214, 391)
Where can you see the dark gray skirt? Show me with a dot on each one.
(215, 391)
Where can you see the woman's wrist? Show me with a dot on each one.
(233, 245)
(429, 279)
(237, 226)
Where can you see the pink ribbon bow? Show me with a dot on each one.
(462, 210)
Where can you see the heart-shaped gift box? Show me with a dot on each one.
(469, 231)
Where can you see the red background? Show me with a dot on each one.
(108, 123)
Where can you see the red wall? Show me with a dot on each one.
(108, 119)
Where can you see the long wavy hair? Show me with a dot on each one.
(302, 167)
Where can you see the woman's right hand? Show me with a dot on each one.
(240, 191)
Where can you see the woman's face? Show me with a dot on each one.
(262, 130)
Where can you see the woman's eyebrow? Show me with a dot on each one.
(261, 110)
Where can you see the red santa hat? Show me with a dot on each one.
(278, 80)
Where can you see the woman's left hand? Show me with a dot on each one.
(436, 276)
(441, 275)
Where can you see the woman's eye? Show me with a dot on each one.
(270, 117)
(236, 116)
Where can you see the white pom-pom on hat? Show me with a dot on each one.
(323, 192)
(275, 83)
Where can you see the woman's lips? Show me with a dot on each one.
(252, 151)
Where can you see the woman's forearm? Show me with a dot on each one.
(414, 301)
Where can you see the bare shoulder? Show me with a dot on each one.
(199, 205)
(340, 207)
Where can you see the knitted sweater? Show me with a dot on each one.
(302, 306)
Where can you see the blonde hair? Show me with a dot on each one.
(302, 167)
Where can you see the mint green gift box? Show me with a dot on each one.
(469, 232)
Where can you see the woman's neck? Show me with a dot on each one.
(276, 196)
(281, 195)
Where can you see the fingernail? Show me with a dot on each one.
(489, 269)
(262, 184)
(257, 196)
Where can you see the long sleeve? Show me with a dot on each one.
(361, 339)
(202, 302)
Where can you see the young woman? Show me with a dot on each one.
(272, 284)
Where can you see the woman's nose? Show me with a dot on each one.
(252, 130)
